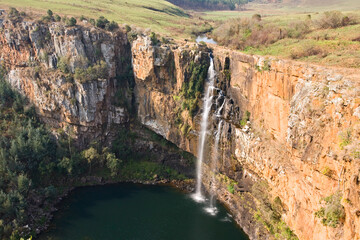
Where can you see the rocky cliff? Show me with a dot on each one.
(301, 140)
(42, 61)
(288, 132)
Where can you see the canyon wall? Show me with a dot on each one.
(302, 138)
(41, 60)
(288, 128)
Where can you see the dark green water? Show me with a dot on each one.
(141, 212)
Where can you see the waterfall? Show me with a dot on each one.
(213, 166)
(198, 196)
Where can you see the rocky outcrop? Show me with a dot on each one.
(41, 60)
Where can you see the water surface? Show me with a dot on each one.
(204, 38)
(141, 212)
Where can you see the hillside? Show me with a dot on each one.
(159, 15)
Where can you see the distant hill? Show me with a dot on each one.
(326, 4)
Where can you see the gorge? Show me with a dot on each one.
(277, 140)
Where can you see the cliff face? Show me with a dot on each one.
(300, 143)
(302, 137)
(32, 52)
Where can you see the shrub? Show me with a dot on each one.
(92, 73)
(82, 18)
(113, 163)
(101, 22)
(63, 64)
(127, 28)
(345, 138)
(333, 212)
(256, 17)
(245, 118)
(307, 50)
(111, 26)
(230, 188)
(153, 38)
(13, 12)
(49, 13)
(335, 19)
(326, 171)
(92, 21)
(71, 22)
(57, 18)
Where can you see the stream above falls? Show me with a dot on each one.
(135, 211)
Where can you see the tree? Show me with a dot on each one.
(113, 163)
(111, 26)
(71, 22)
(90, 155)
(153, 38)
(49, 13)
(101, 22)
(23, 183)
(57, 18)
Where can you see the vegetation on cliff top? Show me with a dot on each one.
(329, 38)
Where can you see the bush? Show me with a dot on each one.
(111, 26)
(256, 17)
(230, 188)
(153, 38)
(92, 21)
(245, 118)
(127, 28)
(101, 22)
(70, 22)
(49, 13)
(57, 18)
(82, 18)
(345, 138)
(13, 12)
(307, 50)
(335, 19)
(63, 64)
(92, 73)
(333, 212)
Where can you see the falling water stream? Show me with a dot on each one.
(198, 196)
(213, 166)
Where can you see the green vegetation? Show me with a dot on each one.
(92, 73)
(345, 138)
(327, 38)
(327, 171)
(146, 170)
(103, 23)
(245, 118)
(70, 22)
(35, 166)
(230, 188)
(269, 212)
(193, 88)
(159, 15)
(333, 213)
(154, 39)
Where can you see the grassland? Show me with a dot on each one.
(159, 15)
(297, 36)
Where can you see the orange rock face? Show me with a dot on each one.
(301, 114)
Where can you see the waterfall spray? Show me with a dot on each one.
(198, 196)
